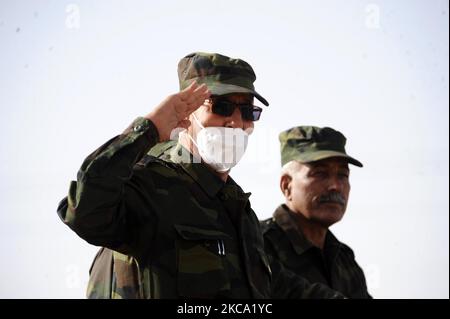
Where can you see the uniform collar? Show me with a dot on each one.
(285, 218)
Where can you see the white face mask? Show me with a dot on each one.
(220, 147)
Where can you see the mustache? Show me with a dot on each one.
(333, 197)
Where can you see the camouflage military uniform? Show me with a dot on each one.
(180, 230)
(335, 266)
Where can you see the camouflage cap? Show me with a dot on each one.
(222, 74)
(310, 143)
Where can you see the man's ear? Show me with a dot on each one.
(285, 185)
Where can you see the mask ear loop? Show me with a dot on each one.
(196, 120)
(184, 132)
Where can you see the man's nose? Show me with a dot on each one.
(235, 119)
(335, 184)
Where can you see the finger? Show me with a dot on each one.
(192, 86)
(193, 92)
(183, 110)
(192, 102)
(201, 88)
(185, 107)
(198, 98)
(191, 99)
(188, 90)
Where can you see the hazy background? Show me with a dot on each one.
(74, 74)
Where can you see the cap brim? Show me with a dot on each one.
(223, 89)
(320, 155)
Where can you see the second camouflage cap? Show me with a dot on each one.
(310, 143)
(223, 75)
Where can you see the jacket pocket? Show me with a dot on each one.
(200, 267)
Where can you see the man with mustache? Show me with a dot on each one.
(315, 183)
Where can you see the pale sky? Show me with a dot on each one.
(74, 74)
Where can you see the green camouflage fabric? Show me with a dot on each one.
(334, 266)
(223, 75)
(310, 143)
(115, 276)
(170, 227)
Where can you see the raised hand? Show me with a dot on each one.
(174, 111)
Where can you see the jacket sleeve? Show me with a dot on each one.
(104, 205)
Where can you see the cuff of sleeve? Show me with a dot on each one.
(143, 126)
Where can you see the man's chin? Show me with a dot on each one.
(330, 217)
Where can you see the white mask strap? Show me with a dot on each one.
(189, 135)
(196, 120)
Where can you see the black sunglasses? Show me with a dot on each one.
(224, 107)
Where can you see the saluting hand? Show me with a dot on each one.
(174, 111)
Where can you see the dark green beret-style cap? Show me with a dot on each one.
(223, 75)
(310, 143)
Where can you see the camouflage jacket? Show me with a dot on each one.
(173, 229)
(334, 266)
